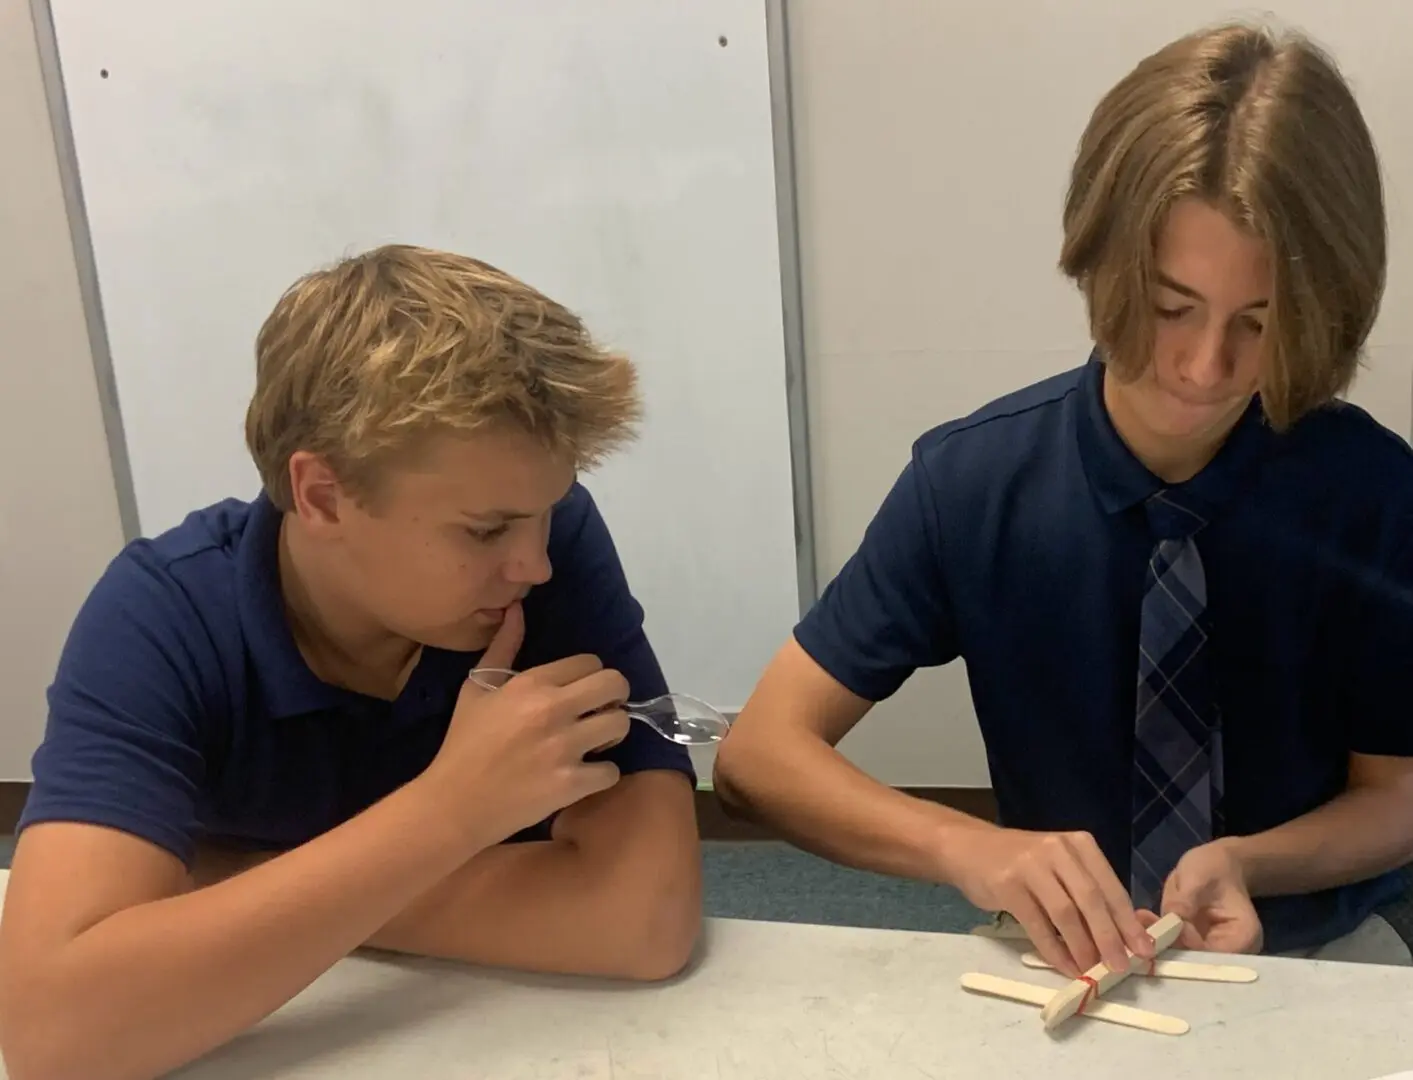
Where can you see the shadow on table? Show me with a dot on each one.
(338, 1026)
(334, 1026)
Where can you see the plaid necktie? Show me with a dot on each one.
(1177, 751)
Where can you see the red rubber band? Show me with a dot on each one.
(1091, 986)
(1091, 991)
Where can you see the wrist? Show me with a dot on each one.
(466, 827)
(1240, 855)
(954, 847)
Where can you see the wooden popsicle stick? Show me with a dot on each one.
(1175, 969)
(1098, 980)
(1109, 1011)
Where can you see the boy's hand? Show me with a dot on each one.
(517, 753)
(1059, 887)
(1208, 890)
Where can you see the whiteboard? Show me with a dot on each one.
(620, 157)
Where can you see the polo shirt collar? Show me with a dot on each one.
(1120, 481)
(288, 686)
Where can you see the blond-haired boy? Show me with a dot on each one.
(263, 751)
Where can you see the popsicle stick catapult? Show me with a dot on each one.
(1176, 969)
(1082, 996)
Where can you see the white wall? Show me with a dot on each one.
(933, 145)
(58, 510)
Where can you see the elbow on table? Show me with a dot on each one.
(659, 961)
(666, 933)
(654, 904)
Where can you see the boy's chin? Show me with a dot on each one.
(470, 638)
(1180, 421)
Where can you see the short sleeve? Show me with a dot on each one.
(121, 746)
(1378, 685)
(595, 612)
(886, 613)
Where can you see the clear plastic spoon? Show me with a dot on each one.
(678, 718)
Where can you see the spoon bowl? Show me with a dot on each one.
(678, 718)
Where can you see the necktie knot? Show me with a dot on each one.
(1170, 518)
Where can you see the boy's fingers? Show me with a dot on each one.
(505, 645)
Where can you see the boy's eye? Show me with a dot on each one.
(485, 536)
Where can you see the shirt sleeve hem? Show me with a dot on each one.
(851, 681)
(175, 841)
(670, 761)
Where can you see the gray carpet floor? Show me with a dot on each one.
(775, 882)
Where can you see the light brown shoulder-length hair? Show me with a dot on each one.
(360, 361)
(1262, 125)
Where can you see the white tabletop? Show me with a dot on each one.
(777, 1001)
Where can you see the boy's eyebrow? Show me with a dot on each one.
(1189, 291)
(511, 515)
(498, 515)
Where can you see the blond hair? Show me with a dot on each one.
(360, 361)
(1262, 126)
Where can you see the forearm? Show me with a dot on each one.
(538, 906)
(617, 894)
(804, 789)
(1359, 834)
(156, 985)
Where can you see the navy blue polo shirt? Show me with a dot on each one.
(182, 710)
(1016, 540)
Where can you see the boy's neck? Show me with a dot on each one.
(341, 645)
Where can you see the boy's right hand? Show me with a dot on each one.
(515, 755)
(1059, 887)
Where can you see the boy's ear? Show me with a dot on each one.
(319, 499)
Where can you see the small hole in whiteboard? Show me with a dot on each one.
(102, 73)
(722, 41)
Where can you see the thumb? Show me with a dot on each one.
(505, 645)
(1176, 899)
(1179, 901)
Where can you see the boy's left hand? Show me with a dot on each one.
(1208, 890)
